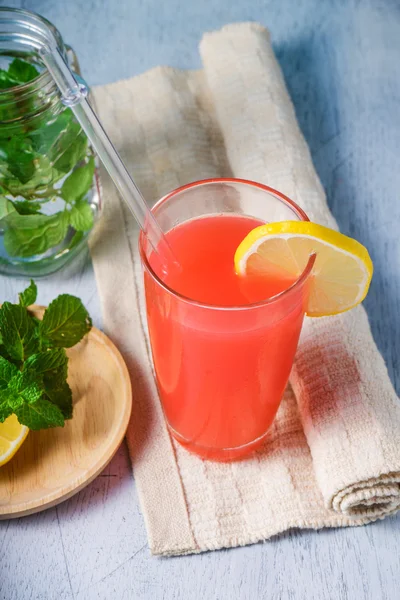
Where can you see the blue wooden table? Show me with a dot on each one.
(341, 62)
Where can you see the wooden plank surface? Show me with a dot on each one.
(340, 60)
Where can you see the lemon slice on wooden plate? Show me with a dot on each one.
(342, 270)
(12, 436)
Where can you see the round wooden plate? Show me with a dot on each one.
(54, 464)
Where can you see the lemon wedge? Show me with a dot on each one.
(12, 436)
(342, 270)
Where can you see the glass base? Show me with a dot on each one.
(219, 454)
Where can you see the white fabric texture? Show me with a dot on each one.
(332, 456)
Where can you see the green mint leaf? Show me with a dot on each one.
(3, 351)
(7, 372)
(28, 296)
(76, 239)
(4, 354)
(14, 400)
(65, 321)
(18, 331)
(26, 207)
(81, 216)
(28, 235)
(20, 158)
(57, 389)
(61, 396)
(25, 172)
(5, 408)
(26, 385)
(6, 207)
(23, 389)
(40, 414)
(36, 388)
(79, 182)
(22, 71)
(62, 141)
(71, 148)
(5, 81)
(48, 362)
(53, 365)
(18, 72)
(46, 138)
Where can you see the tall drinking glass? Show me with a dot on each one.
(221, 370)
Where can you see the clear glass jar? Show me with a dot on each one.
(49, 196)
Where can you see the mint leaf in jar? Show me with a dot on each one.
(18, 72)
(25, 174)
(21, 71)
(81, 216)
(27, 235)
(5, 81)
(6, 207)
(20, 158)
(46, 172)
(26, 207)
(79, 182)
(76, 239)
(44, 138)
(71, 148)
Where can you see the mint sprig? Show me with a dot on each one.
(33, 361)
(39, 166)
(19, 71)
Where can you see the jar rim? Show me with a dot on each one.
(37, 27)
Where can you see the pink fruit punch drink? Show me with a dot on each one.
(222, 345)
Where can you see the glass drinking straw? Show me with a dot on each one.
(74, 95)
(27, 30)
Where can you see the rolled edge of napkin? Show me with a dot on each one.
(354, 434)
(348, 407)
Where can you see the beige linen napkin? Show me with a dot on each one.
(332, 456)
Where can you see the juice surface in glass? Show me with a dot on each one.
(222, 362)
(205, 249)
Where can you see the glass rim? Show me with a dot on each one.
(287, 292)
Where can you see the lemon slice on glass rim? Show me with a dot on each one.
(12, 436)
(342, 270)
